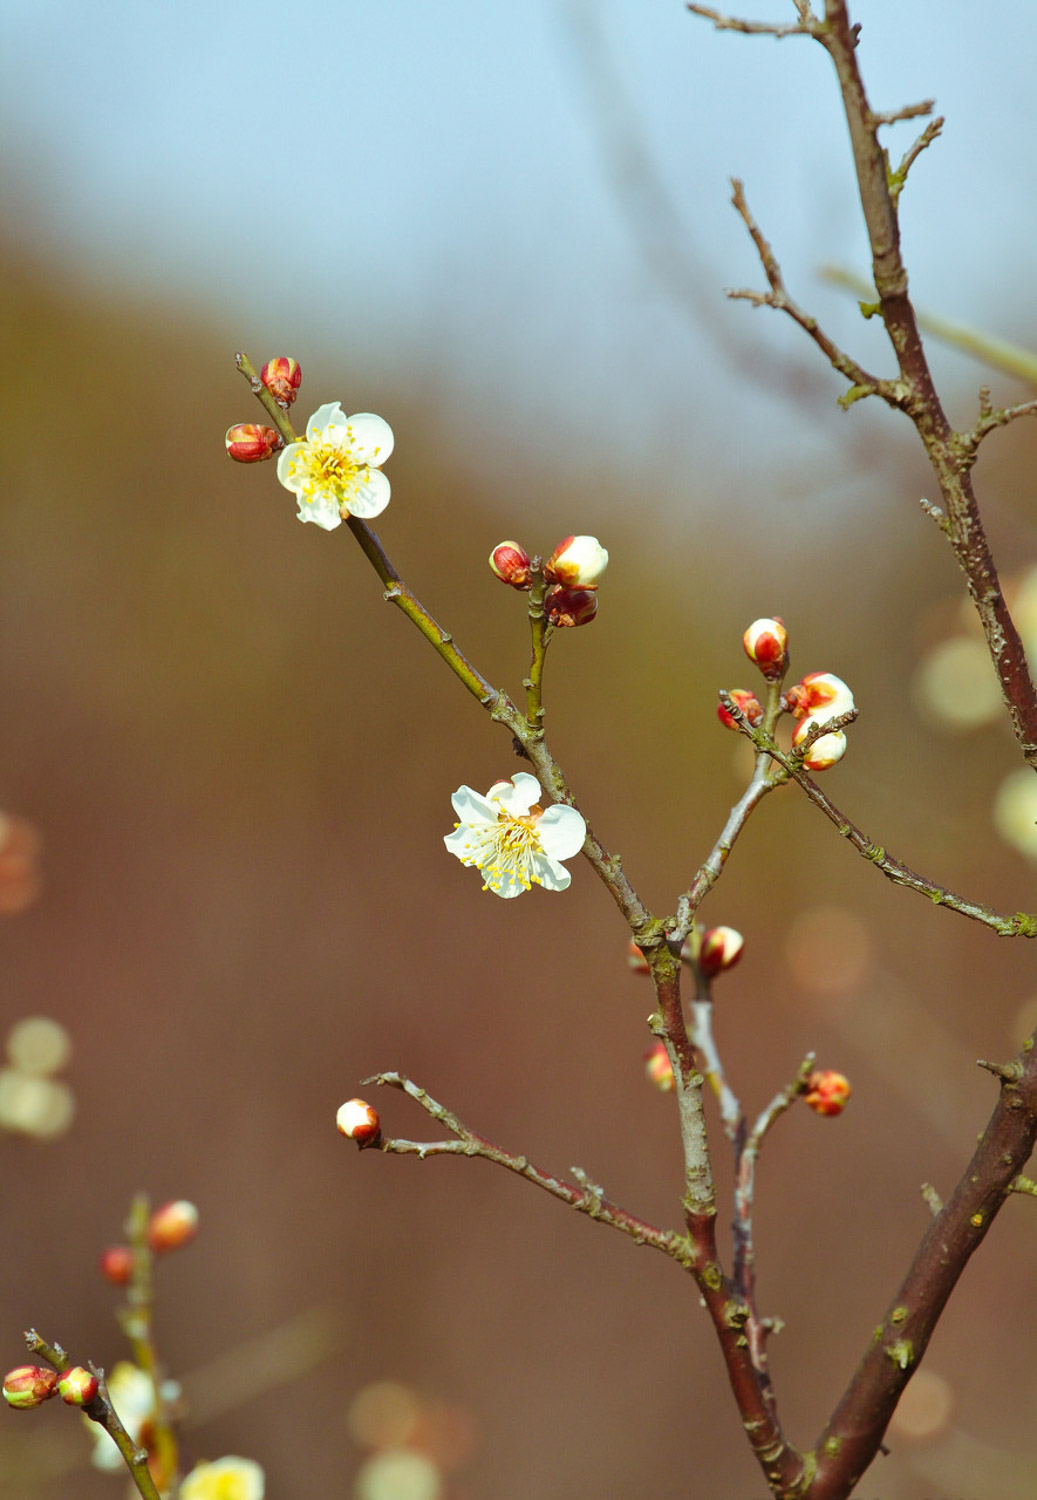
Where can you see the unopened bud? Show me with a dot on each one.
(510, 562)
(358, 1121)
(746, 702)
(820, 691)
(659, 1069)
(172, 1225)
(77, 1387)
(577, 562)
(564, 606)
(827, 1092)
(29, 1385)
(720, 948)
(282, 378)
(766, 643)
(116, 1264)
(249, 444)
(636, 959)
(826, 749)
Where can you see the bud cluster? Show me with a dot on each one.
(818, 698)
(814, 701)
(573, 572)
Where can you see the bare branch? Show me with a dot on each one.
(989, 421)
(907, 112)
(806, 25)
(861, 383)
(585, 1199)
(928, 135)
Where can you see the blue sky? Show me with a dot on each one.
(434, 187)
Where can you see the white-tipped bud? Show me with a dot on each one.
(766, 643)
(357, 1121)
(720, 948)
(826, 750)
(578, 562)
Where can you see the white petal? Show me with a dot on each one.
(562, 832)
(322, 510)
(368, 497)
(328, 415)
(504, 884)
(370, 438)
(526, 791)
(471, 808)
(553, 876)
(458, 844)
(285, 461)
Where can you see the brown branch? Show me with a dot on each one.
(964, 525)
(1019, 924)
(928, 135)
(588, 1198)
(856, 1428)
(101, 1411)
(807, 24)
(989, 420)
(861, 382)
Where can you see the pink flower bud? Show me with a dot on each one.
(636, 959)
(749, 704)
(173, 1225)
(577, 562)
(510, 562)
(19, 864)
(766, 643)
(827, 1092)
(27, 1386)
(565, 606)
(359, 1122)
(282, 378)
(720, 948)
(249, 444)
(659, 1069)
(77, 1387)
(116, 1264)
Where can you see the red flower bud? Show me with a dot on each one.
(282, 378)
(359, 1122)
(27, 1386)
(564, 606)
(249, 444)
(116, 1264)
(77, 1387)
(510, 562)
(720, 948)
(766, 643)
(172, 1225)
(749, 704)
(19, 864)
(827, 1092)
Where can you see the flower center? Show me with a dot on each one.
(331, 470)
(509, 849)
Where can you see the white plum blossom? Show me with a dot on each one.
(224, 1479)
(514, 842)
(336, 470)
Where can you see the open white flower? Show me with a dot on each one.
(514, 842)
(225, 1479)
(336, 469)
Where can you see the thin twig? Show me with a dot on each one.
(806, 25)
(586, 1199)
(861, 382)
(101, 1411)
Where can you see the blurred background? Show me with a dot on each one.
(507, 231)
